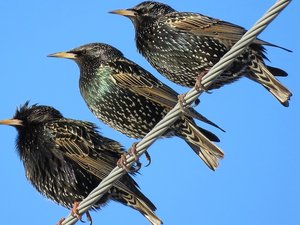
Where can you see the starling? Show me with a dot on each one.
(183, 46)
(65, 159)
(132, 101)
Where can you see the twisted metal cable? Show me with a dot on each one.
(173, 115)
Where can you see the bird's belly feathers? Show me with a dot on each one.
(124, 111)
(181, 58)
(55, 178)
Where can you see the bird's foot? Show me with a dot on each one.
(198, 85)
(74, 211)
(132, 151)
(122, 161)
(60, 221)
(148, 157)
(89, 217)
(181, 101)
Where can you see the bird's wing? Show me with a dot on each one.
(142, 82)
(76, 141)
(131, 76)
(201, 25)
(85, 147)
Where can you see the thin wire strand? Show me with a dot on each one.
(173, 115)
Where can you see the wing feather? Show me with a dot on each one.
(140, 81)
(84, 146)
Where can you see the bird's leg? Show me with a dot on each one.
(122, 163)
(132, 151)
(182, 102)
(60, 221)
(198, 84)
(74, 211)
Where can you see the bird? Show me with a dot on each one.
(65, 159)
(132, 101)
(183, 46)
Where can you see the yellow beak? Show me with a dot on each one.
(12, 122)
(66, 55)
(124, 12)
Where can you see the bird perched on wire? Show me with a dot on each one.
(132, 101)
(65, 159)
(183, 46)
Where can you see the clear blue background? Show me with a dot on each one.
(257, 183)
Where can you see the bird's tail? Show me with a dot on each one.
(141, 204)
(200, 140)
(194, 114)
(277, 72)
(260, 73)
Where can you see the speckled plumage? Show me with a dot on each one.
(132, 101)
(184, 45)
(65, 159)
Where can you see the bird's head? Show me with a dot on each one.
(90, 54)
(29, 115)
(148, 10)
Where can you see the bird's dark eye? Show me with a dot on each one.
(79, 52)
(83, 52)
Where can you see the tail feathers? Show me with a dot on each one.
(277, 72)
(211, 136)
(147, 212)
(261, 42)
(193, 113)
(201, 145)
(144, 206)
(260, 73)
(209, 159)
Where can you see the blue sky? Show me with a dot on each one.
(256, 183)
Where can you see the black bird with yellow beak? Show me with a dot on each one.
(183, 46)
(65, 159)
(132, 101)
